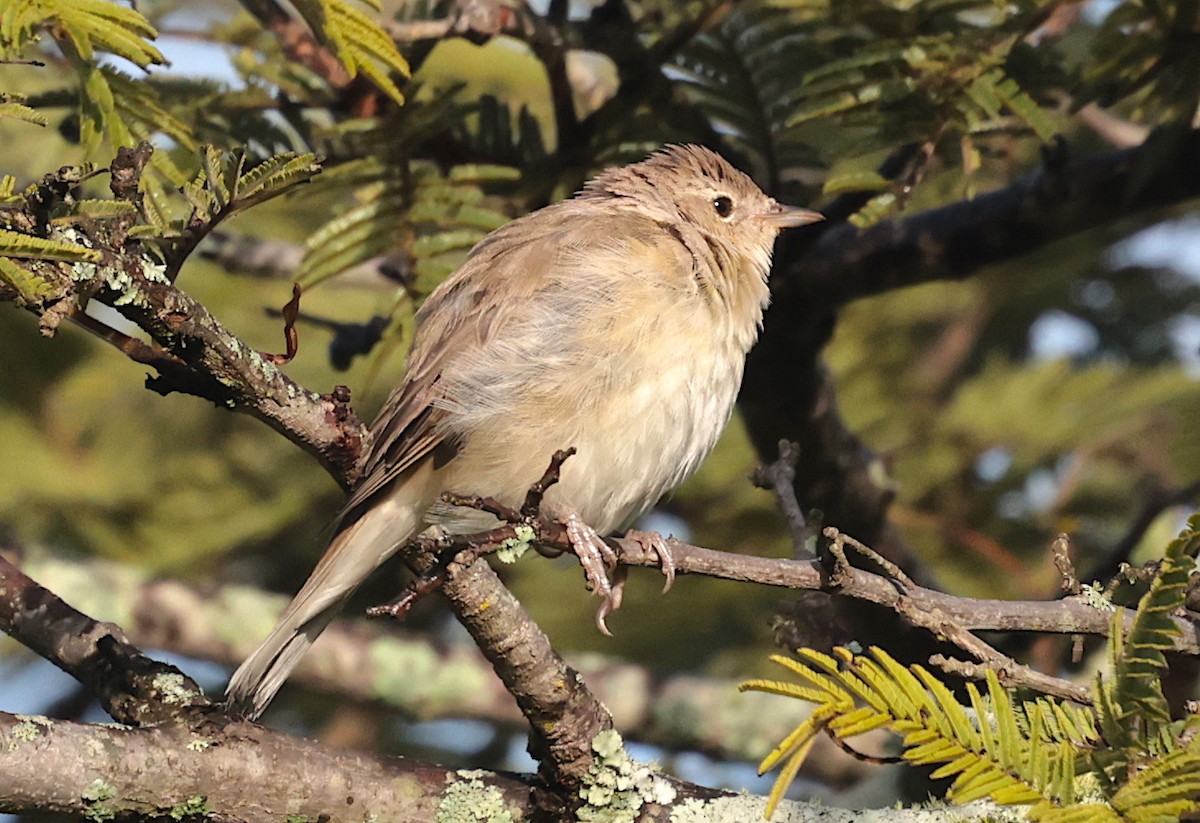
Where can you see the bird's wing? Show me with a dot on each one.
(495, 284)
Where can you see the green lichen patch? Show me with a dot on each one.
(94, 795)
(468, 799)
(617, 786)
(173, 688)
(28, 729)
(197, 805)
(510, 550)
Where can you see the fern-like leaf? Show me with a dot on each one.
(93, 25)
(432, 217)
(13, 106)
(360, 45)
(1163, 791)
(16, 244)
(29, 287)
(1136, 687)
(987, 757)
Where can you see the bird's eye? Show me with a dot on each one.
(723, 205)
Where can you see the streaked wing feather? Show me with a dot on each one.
(460, 316)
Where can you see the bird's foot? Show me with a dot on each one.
(597, 558)
(657, 544)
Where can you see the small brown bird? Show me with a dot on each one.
(616, 322)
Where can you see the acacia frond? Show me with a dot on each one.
(223, 187)
(418, 210)
(1121, 760)
(856, 693)
(1136, 685)
(13, 106)
(90, 26)
(357, 41)
(26, 246)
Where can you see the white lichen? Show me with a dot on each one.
(617, 786)
(467, 799)
(1093, 595)
(172, 687)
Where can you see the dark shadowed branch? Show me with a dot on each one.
(131, 687)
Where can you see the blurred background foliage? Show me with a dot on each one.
(1055, 393)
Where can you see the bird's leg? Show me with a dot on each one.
(655, 543)
(596, 558)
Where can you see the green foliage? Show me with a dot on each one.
(85, 26)
(1123, 760)
(357, 41)
(869, 76)
(434, 217)
(1144, 53)
(1132, 711)
(116, 110)
(224, 186)
(731, 74)
(17, 244)
(12, 105)
(111, 106)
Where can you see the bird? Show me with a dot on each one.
(615, 322)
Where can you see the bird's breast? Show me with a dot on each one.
(641, 387)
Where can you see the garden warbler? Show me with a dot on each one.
(616, 322)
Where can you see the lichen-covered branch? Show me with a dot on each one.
(131, 687)
(216, 772)
(370, 660)
(192, 351)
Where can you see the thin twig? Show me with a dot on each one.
(1061, 548)
(779, 478)
(463, 550)
(1014, 675)
(893, 571)
(532, 506)
(1069, 615)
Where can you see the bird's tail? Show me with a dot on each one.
(355, 552)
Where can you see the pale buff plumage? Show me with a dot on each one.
(616, 322)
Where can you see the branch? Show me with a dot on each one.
(216, 773)
(298, 43)
(957, 241)
(131, 687)
(194, 353)
(368, 661)
(563, 715)
(951, 618)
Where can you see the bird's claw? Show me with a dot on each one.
(605, 577)
(657, 544)
(597, 558)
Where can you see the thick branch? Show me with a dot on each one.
(564, 716)
(369, 660)
(957, 241)
(175, 770)
(131, 687)
(218, 773)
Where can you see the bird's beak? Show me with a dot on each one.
(786, 217)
